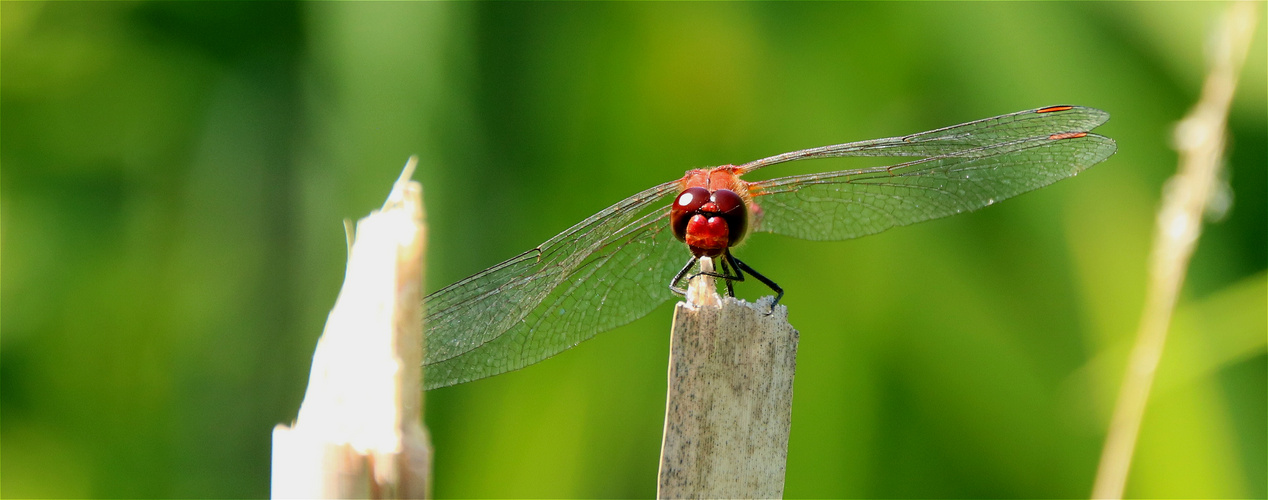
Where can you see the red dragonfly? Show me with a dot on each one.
(614, 267)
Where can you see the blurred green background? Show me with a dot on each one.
(175, 176)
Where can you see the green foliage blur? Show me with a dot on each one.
(175, 176)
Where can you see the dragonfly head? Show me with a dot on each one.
(709, 222)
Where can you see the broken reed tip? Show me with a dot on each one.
(703, 290)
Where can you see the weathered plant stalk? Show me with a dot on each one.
(359, 433)
(729, 405)
(1200, 139)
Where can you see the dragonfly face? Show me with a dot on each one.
(611, 268)
(709, 222)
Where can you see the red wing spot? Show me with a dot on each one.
(1051, 109)
(1067, 135)
(1054, 108)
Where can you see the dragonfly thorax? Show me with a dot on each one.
(709, 222)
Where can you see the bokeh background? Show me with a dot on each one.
(175, 176)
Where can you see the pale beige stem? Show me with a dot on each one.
(728, 410)
(1200, 141)
(703, 290)
(359, 433)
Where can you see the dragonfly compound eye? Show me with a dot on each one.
(686, 204)
(732, 209)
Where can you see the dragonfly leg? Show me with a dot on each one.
(730, 292)
(673, 285)
(741, 266)
(722, 275)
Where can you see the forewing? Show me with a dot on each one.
(958, 139)
(602, 273)
(853, 203)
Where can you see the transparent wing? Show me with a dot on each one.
(853, 203)
(604, 272)
(612, 268)
(1041, 122)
